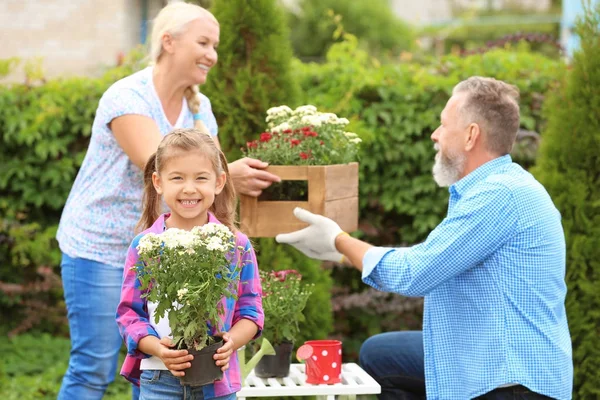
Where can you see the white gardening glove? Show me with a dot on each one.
(316, 240)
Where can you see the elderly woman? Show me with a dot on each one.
(103, 207)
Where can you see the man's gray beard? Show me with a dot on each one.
(447, 170)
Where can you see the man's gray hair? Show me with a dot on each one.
(494, 106)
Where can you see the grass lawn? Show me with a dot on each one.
(32, 366)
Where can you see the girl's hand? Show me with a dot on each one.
(175, 360)
(224, 352)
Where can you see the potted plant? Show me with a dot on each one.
(188, 274)
(284, 299)
(309, 146)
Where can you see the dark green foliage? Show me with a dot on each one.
(44, 132)
(319, 318)
(395, 108)
(253, 72)
(373, 22)
(569, 167)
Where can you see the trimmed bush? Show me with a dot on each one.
(253, 72)
(569, 167)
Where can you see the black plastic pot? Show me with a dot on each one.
(203, 370)
(277, 366)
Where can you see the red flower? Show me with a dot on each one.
(310, 133)
(294, 142)
(287, 131)
(252, 145)
(305, 128)
(265, 137)
(304, 156)
(281, 275)
(321, 143)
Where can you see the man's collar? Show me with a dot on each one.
(480, 173)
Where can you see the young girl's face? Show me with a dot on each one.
(188, 184)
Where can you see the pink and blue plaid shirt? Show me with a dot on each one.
(134, 321)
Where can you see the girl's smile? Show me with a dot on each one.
(188, 184)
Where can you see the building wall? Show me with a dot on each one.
(71, 36)
(422, 12)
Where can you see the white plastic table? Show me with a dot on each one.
(355, 381)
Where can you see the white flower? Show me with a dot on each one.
(177, 238)
(282, 127)
(181, 293)
(279, 110)
(356, 140)
(350, 135)
(306, 110)
(148, 243)
(312, 120)
(215, 243)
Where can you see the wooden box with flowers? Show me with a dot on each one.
(312, 152)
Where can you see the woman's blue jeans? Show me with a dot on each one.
(396, 361)
(92, 291)
(162, 385)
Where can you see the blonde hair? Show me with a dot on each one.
(224, 206)
(172, 19)
(494, 105)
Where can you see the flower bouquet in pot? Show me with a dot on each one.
(284, 299)
(188, 275)
(316, 159)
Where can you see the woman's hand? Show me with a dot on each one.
(175, 360)
(224, 352)
(249, 177)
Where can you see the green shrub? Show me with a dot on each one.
(373, 22)
(319, 318)
(395, 108)
(569, 167)
(253, 72)
(44, 132)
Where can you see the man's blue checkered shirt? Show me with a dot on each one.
(492, 274)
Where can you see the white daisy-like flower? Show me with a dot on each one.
(148, 243)
(307, 109)
(181, 293)
(282, 127)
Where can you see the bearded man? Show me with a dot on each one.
(492, 272)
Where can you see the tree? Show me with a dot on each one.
(253, 72)
(569, 167)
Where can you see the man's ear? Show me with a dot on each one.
(221, 181)
(157, 183)
(474, 136)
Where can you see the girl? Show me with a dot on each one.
(190, 173)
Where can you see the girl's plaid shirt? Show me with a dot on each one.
(134, 322)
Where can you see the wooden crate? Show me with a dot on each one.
(332, 192)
